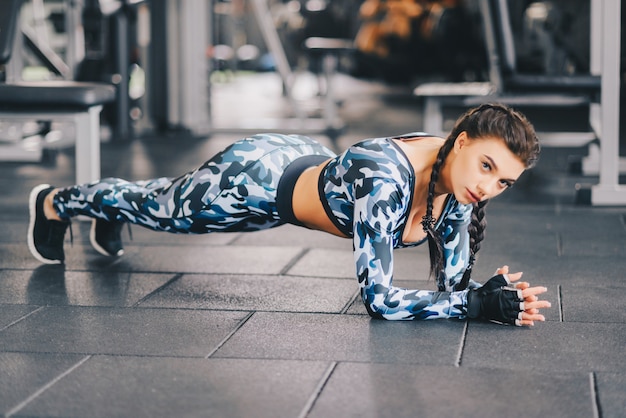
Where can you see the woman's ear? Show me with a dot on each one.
(460, 141)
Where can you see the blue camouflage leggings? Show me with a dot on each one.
(232, 192)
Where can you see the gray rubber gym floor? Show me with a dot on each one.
(268, 324)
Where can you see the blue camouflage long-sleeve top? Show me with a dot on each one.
(367, 192)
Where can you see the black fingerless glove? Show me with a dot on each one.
(496, 301)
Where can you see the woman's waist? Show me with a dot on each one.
(309, 203)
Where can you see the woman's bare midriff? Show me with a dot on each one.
(307, 206)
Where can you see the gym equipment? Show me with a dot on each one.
(55, 100)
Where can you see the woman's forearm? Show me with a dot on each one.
(396, 303)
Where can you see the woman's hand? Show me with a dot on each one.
(505, 299)
(532, 304)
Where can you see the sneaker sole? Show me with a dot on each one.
(32, 208)
(96, 246)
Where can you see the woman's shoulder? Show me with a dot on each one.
(377, 149)
(380, 157)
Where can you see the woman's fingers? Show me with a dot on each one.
(503, 270)
(533, 291)
(532, 304)
(528, 319)
(531, 301)
(522, 285)
(533, 317)
(539, 304)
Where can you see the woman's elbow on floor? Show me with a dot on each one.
(376, 311)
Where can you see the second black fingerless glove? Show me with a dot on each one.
(495, 301)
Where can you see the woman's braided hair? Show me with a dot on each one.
(485, 121)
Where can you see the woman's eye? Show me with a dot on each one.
(486, 166)
(505, 184)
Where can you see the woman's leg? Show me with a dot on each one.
(233, 191)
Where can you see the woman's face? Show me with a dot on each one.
(481, 168)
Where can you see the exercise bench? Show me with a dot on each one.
(328, 51)
(55, 100)
(507, 85)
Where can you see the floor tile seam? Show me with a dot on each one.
(305, 359)
(130, 308)
(22, 304)
(45, 387)
(294, 260)
(157, 290)
(342, 360)
(562, 373)
(235, 309)
(321, 277)
(599, 247)
(319, 388)
(237, 236)
(569, 321)
(181, 242)
(559, 298)
(458, 362)
(565, 208)
(138, 244)
(595, 396)
(133, 308)
(559, 244)
(95, 356)
(580, 283)
(174, 271)
(201, 358)
(278, 275)
(604, 258)
(352, 301)
(241, 323)
(339, 313)
(584, 233)
(22, 318)
(192, 273)
(566, 321)
(109, 354)
(498, 249)
(566, 374)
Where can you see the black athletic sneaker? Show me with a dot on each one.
(45, 237)
(106, 237)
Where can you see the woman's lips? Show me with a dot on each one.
(472, 196)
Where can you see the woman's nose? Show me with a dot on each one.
(487, 188)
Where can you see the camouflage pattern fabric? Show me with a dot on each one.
(234, 191)
(368, 192)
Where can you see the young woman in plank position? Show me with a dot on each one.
(381, 193)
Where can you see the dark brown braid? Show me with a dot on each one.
(476, 231)
(428, 222)
(487, 120)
